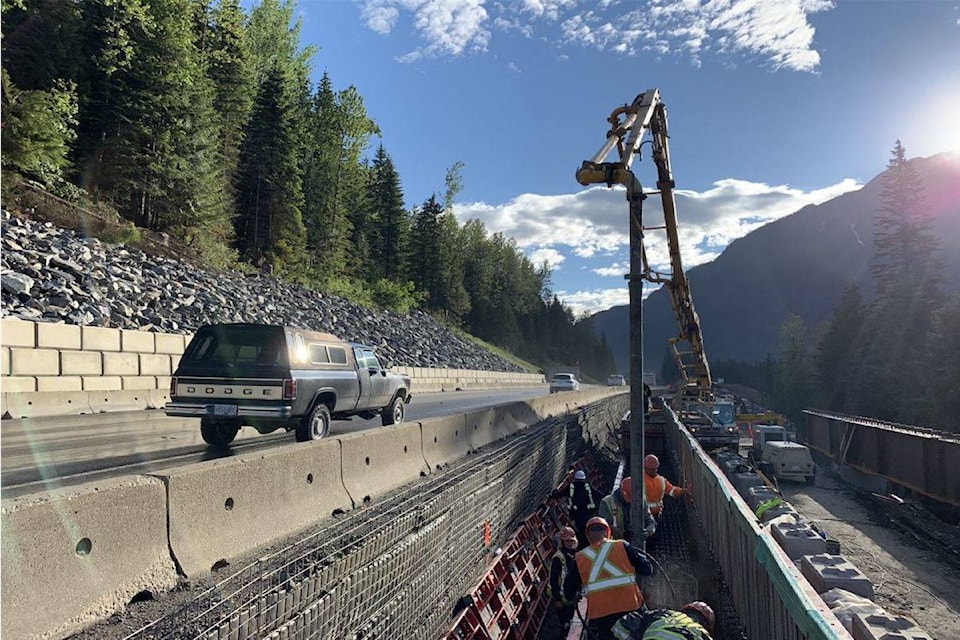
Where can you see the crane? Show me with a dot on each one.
(628, 126)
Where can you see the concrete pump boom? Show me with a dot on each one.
(628, 125)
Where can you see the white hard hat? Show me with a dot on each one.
(580, 475)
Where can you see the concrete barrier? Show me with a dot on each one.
(73, 556)
(36, 404)
(222, 509)
(444, 440)
(489, 425)
(378, 461)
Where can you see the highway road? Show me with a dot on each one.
(38, 454)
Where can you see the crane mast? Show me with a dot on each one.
(628, 126)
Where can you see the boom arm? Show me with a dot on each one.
(628, 125)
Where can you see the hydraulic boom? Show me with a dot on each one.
(628, 124)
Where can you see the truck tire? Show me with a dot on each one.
(315, 425)
(218, 433)
(393, 412)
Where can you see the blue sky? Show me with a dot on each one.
(773, 104)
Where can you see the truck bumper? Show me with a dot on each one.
(196, 410)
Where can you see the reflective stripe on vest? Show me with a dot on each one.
(590, 504)
(675, 626)
(618, 578)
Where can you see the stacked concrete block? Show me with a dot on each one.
(780, 510)
(798, 540)
(756, 496)
(886, 627)
(825, 572)
(743, 481)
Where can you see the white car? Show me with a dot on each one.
(564, 382)
(616, 381)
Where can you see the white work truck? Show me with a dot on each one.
(775, 455)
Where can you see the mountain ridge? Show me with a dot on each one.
(797, 264)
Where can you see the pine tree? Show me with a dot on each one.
(270, 231)
(793, 383)
(835, 356)
(425, 251)
(390, 232)
(38, 129)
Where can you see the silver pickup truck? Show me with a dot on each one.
(271, 377)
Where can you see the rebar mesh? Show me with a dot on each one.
(395, 569)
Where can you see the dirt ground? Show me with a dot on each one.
(908, 580)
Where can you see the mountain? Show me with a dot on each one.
(798, 264)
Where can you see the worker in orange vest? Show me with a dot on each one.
(655, 486)
(608, 571)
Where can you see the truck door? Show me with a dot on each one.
(366, 382)
(380, 383)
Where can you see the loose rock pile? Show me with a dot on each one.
(49, 274)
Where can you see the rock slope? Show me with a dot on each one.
(49, 274)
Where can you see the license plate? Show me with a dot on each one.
(224, 409)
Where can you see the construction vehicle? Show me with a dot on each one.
(775, 455)
(712, 422)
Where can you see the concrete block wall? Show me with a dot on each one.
(122, 369)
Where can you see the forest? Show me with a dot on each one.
(201, 120)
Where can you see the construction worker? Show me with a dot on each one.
(581, 504)
(608, 571)
(655, 486)
(564, 562)
(615, 509)
(694, 621)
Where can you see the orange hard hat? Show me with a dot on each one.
(597, 521)
(705, 612)
(567, 533)
(626, 489)
(651, 462)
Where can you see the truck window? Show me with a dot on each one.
(318, 354)
(338, 355)
(253, 345)
(371, 360)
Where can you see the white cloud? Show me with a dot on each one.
(584, 302)
(617, 269)
(776, 32)
(551, 256)
(514, 67)
(595, 220)
(449, 27)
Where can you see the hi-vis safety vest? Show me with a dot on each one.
(563, 572)
(590, 504)
(617, 515)
(665, 625)
(675, 626)
(609, 579)
(653, 491)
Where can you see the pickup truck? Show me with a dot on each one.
(270, 377)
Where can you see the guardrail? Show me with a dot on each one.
(924, 460)
(49, 369)
(773, 599)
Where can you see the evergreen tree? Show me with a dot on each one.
(425, 251)
(834, 363)
(942, 348)
(390, 229)
(38, 128)
(42, 43)
(229, 67)
(270, 229)
(793, 383)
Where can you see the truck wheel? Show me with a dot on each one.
(393, 412)
(314, 426)
(218, 433)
